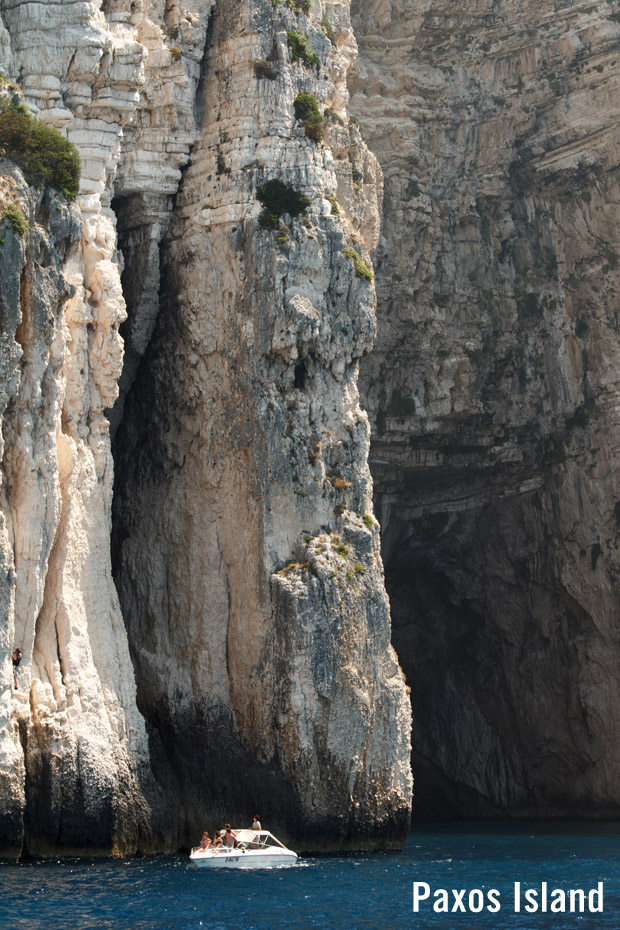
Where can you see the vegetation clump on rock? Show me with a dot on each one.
(328, 30)
(361, 268)
(265, 69)
(298, 44)
(40, 150)
(277, 199)
(307, 111)
(16, 220)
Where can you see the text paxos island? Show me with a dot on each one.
(541, 899)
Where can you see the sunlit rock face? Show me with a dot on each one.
(74, 758)
(224, 356)
(493, 393)
(245, 550)
(73, 743)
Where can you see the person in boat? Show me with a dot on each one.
(217, 839)
(205, 841)
(256, 825)
(229, 837)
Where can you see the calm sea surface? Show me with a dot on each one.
(355, 893)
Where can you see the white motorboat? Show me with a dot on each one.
(256, 849)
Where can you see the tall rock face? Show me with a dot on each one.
(246, 554)
(73, 742)
(493, 392)
(79, 778)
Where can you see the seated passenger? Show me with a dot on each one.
(229, 837)
(205, 841)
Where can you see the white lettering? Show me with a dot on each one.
(421, 891)
(573, 894)
(531, 900)
(493, 906)
(558, 901)
(596, 895)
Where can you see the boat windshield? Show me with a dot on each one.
(258, 838)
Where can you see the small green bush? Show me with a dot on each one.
(40, 150)
(401, 405)
(327, 29)
(361, 268)
(298, 44)
(332, 116)
(220, 165)
(335, 205)
(277, 199)
(528, 304)
(307, 111)
(300, 6)
(265, 70)
(581, 328)
(16, 220)
(176, 53)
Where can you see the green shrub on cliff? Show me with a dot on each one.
(401, 405)
(16, 220)
(328, 30)
(277, 199)
(298, 44)
(40, 150)
(307, 111)
(361, 268)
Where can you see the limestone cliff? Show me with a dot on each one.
(493, 392)
(247, 554)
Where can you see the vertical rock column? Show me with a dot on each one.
(246, 553)
(82, 769)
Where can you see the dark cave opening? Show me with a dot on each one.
(301, 374)
(496, 651)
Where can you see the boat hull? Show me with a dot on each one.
(244, 859)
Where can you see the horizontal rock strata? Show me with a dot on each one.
(493, 393)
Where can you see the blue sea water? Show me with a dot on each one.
(362, 892)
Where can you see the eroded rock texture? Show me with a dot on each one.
(246, 553)
(493, 392)
(73, 742)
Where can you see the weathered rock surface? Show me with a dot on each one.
(73, 742)
(246, 554)
(493, 393)
(243, 449)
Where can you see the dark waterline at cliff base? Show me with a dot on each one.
(353, 893)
